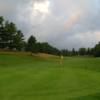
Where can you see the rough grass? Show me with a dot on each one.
(24, 77)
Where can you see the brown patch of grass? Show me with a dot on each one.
(41, 55)
(3, 63)
(44, 55)
(15, 53)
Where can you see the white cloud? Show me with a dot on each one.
(42, 7)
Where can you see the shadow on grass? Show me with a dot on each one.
(89, 97)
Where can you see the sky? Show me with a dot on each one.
(62, 23)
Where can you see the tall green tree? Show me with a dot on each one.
(31, 44)
(97, 50)
(73, 52)
(10, 37)
(1, 21)
(3, 40)
(82, 51)
(18, 41)
(9, 34)
(65, 52)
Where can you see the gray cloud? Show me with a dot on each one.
(62, 23)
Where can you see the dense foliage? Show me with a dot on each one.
(13, 39)
(10, 37)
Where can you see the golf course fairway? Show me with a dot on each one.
(24, 77)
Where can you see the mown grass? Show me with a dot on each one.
(24, 77)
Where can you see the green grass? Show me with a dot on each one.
(33, 78)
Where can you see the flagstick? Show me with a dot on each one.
(61, 60)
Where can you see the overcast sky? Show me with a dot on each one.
(62, 23)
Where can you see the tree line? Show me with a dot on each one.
(12, 38)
